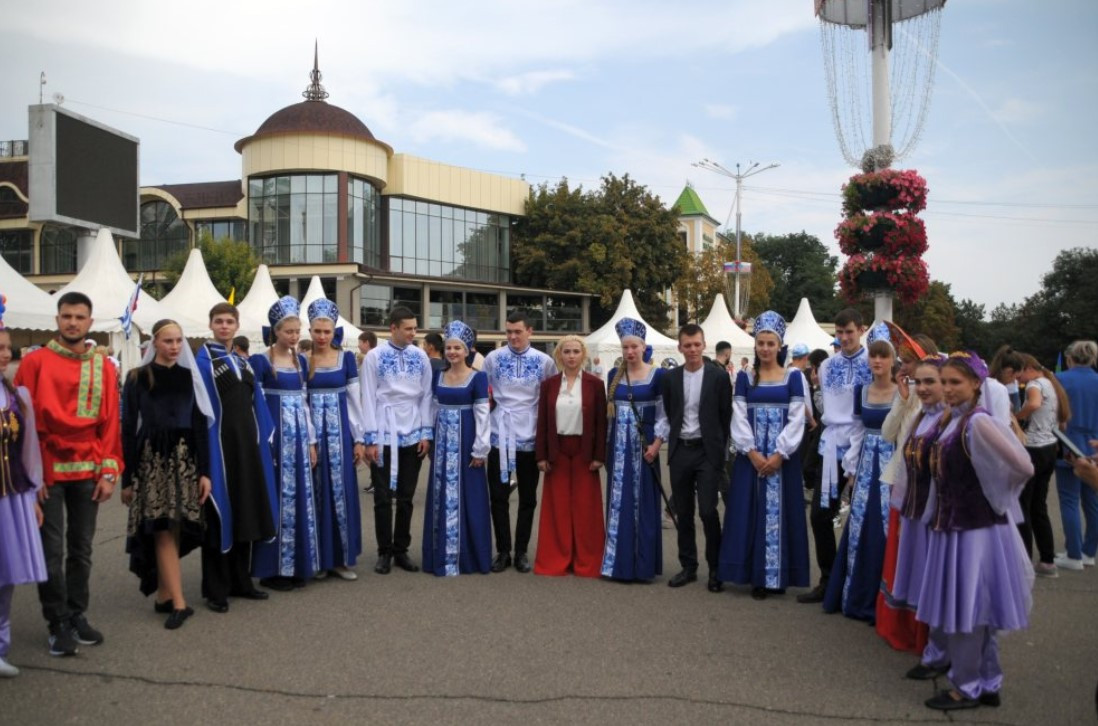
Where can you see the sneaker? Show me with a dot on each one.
(345, 573)
(7, 670)
(63, 640)
(1067, 563)
(1087, 561)
(1046, 569)
(85, 633)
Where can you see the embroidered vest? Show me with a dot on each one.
(917, 452)
(13, 477)
(961, 503)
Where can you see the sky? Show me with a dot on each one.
(580, 89)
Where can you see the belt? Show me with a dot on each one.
(691, 443)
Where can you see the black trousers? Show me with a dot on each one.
(692, 473)
(68, 550)
(1037, 526)
(823, 529)
(395, 540)
(224, 573)
(526, 472)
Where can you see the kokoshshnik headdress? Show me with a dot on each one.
(325, 309)
(284, 307)
(459, 331)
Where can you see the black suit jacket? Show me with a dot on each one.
(714, 411)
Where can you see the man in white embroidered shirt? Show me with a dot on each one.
(396, 408)
(515, 373)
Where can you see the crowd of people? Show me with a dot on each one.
(252, 460)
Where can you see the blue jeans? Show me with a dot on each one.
(1071, 491)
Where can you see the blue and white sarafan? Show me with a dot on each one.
(323, 309)
(286, 307)
(627, 327)
(770, 322)
(879, 332)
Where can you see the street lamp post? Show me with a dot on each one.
(752, 169)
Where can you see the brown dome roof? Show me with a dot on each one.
(316, 117)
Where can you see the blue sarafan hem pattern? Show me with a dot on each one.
(876, 453)
(294, 472)
(328, 422)
(625, 446)
(769, 423)
(452, 444)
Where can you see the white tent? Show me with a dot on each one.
(605, 345)
(28, 306)
(253, 308)
(193, 296)
(805, 329)
(316, 292)
(719, 326)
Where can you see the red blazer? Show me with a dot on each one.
(594, 418)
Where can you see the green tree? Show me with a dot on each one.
(230, 264)
(933, 315)
(1063, 310)
(704, 277)
(600, 242)
(972, 326)
(800, 266)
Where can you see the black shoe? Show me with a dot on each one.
(683, 577)
(404, 562)
(384, 564)
(163, 607)
(63, 640)
(714, 585)
(85, 633)
(522, 562)
(218, 606)
(501, 562)
(281, 584)
(759, 593)
(814, 595)
(253, 595)
(947, 701)
(990, 699)
(178, 617)
(925, 673)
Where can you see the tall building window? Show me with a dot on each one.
(163, 235)
(556, 313)
(235, 229)
(378, 300)
(443, 241)
(293, 219)
(17, 248)
(364, 222)
(56, 250)
(479, 310)
(10, 204)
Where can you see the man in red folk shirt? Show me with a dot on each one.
(74, 391)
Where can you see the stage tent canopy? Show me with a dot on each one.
(193, 296)
(605, 345)
(255, 305)
(28, 306)
(316, 292)
(805, 329)
(719, 326)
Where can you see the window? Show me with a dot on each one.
(532, 305)
(17, 248)
(364, 222)
(293, 219)
(563, 314)
(446, 306)
(57, 250)
(378, 300)
(482, 310)
(235, 229)
(443, 241)
(163, 235)
(11, 206)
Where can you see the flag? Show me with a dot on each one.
(232, 296)
(131, 306)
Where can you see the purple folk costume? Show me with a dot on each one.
(21, 559)
(978, 578)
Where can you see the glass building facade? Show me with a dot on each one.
(363, 222)
(163, 235)
(57, 250)
(17, 248)
(443, 241)
(234, 229)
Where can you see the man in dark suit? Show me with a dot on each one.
(698, 402)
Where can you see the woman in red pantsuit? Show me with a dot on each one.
(571, 447)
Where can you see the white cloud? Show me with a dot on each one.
(1017, 111)
(483, 129)
(721, 111)
(525, 84)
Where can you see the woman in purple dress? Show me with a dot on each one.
(978, 579)
(21, 560)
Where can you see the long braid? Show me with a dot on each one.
(614, 387)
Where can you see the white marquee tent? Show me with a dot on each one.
(805, 329)
(28, 306)
(253, 308)
(316, 292)
(193, 296)
(719, 326)
(604, 344)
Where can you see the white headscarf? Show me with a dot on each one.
(186, 360)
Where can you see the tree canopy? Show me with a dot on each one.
(800, 266)
(600, 242)
(703, 277)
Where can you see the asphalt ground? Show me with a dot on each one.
(517, 648)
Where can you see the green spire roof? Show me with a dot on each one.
(689, 203)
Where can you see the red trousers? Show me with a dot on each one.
(571, 534)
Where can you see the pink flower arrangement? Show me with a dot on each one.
(906, 275)
(883, 232)
(888, 189)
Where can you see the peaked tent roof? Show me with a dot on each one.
(316, 292)
(27, 305)
(253, 308)
(805, 329)
(627, 308)
(106, 282)
(690, 203)
(719, 326)
(193, 295)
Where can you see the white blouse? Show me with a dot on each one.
(570, 408)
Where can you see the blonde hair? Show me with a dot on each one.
(560, 345)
